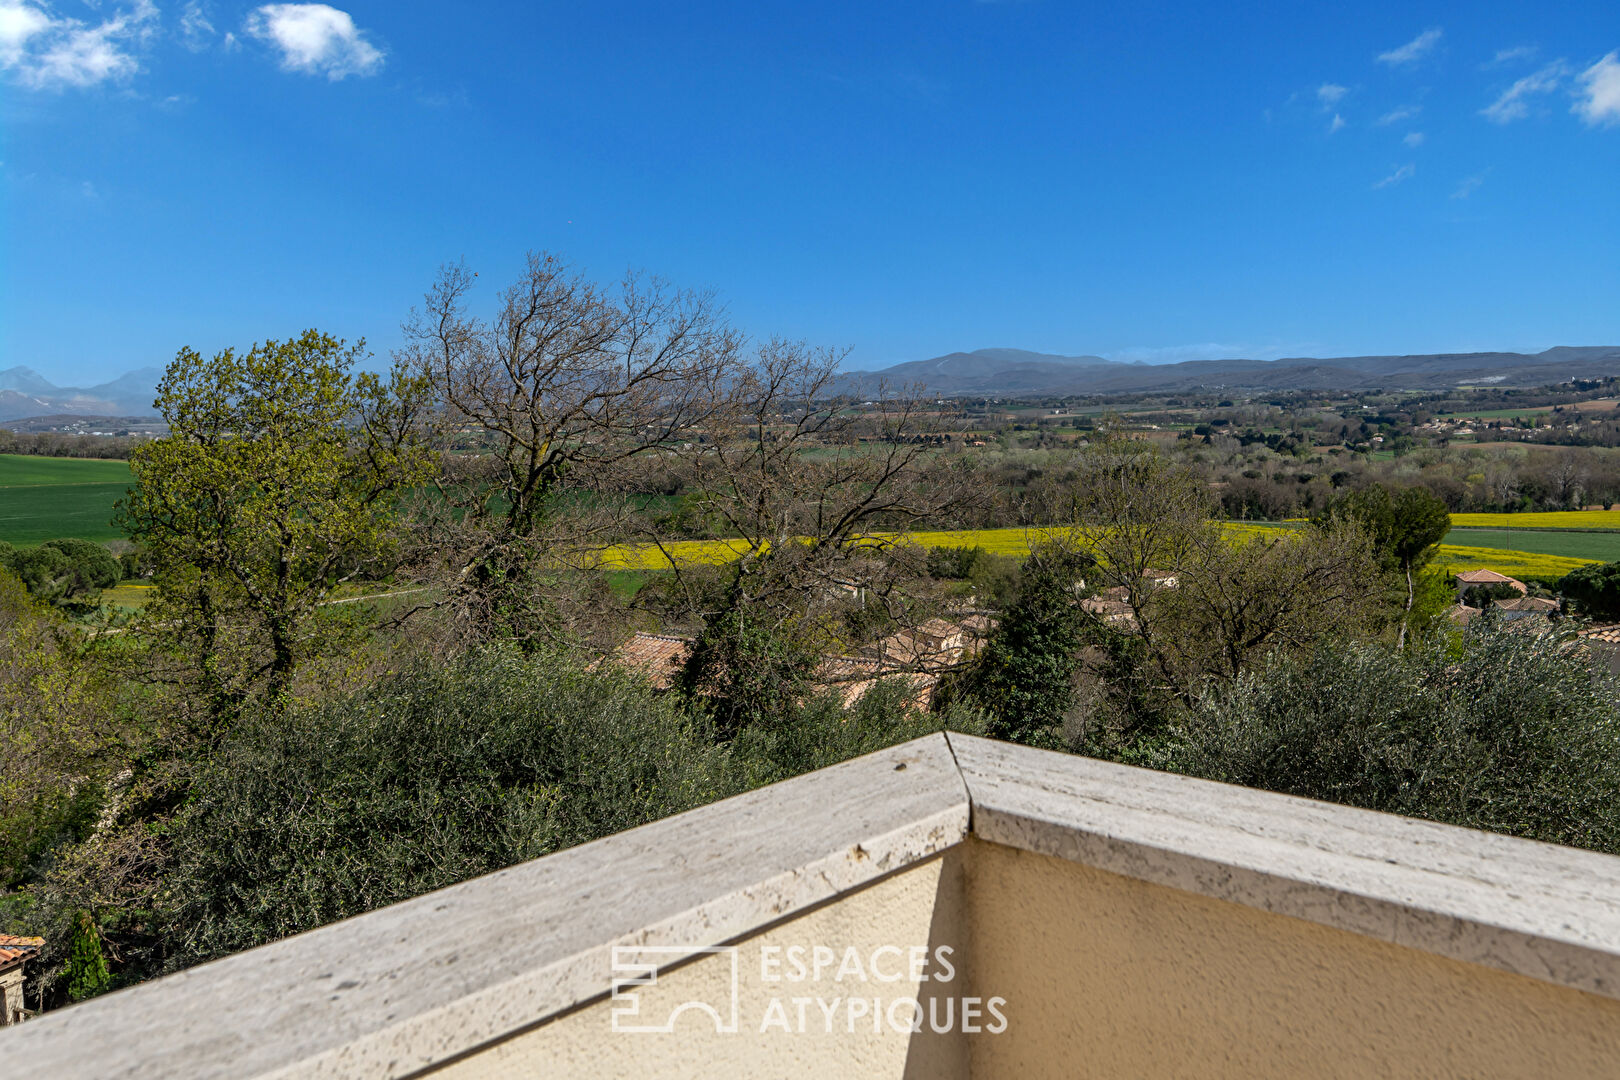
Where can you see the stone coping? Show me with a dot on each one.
(401, 989)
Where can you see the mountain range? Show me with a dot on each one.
(1010, 373)
(25, 392)
(1017, 373)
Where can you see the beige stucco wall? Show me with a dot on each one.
(1107, 976)
(917, 908)
(1101, 976)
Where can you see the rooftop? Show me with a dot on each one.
(13, 947)
(1118, 921)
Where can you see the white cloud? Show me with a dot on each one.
(1468, 186)
(1401, 174)
(1515, 54)
(1329, 94)
(316, 39)
(19, 24)
(1598, 99)
(196, 29)
(1396, 115)
(1338, 122)
(1413, 50)
(1414, 140)
(47, 52)
(1513, 104)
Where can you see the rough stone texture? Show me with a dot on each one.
(1533, 909)
(916, 908)
(391, 992)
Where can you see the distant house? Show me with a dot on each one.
(657, 657)
(15, 952)
(1461, 614)
(1468, 579)
(920, 654)
(1528, 605)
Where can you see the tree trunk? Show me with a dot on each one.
(1400, 642)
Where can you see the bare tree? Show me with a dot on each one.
(552, 411)
(816, 496)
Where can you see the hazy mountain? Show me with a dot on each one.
(24, 393)
(1013, 373)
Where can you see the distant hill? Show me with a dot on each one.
(1015, 373)
(26, 393)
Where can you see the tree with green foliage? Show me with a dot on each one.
(1594, 589)
(65, 573)
(276, 484)
(1025, 676)
(87, 972)
(1406, 526)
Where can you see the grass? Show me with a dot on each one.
(1571, 543)
(46, 498)
(1524, 412)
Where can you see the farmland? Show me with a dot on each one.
(1555, 554)
(44, 498)
(1572, 543)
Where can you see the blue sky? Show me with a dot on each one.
(1147, 180)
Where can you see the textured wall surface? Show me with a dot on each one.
(1107, 976)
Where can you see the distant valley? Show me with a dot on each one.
(1017, 373)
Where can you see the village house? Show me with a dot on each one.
(920, 654)
(1468, 579)
(15, 952)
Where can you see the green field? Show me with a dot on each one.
(45, 498)
(1603, 546)
(1523, 413)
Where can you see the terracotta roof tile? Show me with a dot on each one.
(657, 656)
(13, 947)
(1488, 577)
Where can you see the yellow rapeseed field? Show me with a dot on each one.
(1454, 557)
(1563, 519)
(1016, 542)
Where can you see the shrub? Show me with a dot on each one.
(1509, 732)
(431, 777)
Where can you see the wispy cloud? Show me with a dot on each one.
(1400, 175)
(1399, 113)
(48, 52)
(1597, 100)
(1413, 50)
(1414, 139)
(1517, 54)
(316, 39)
(196, 28)
(1514, 102)
(1468, 186)
(1337, 124)
(1330, 94)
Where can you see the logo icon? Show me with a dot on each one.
(636, 966)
